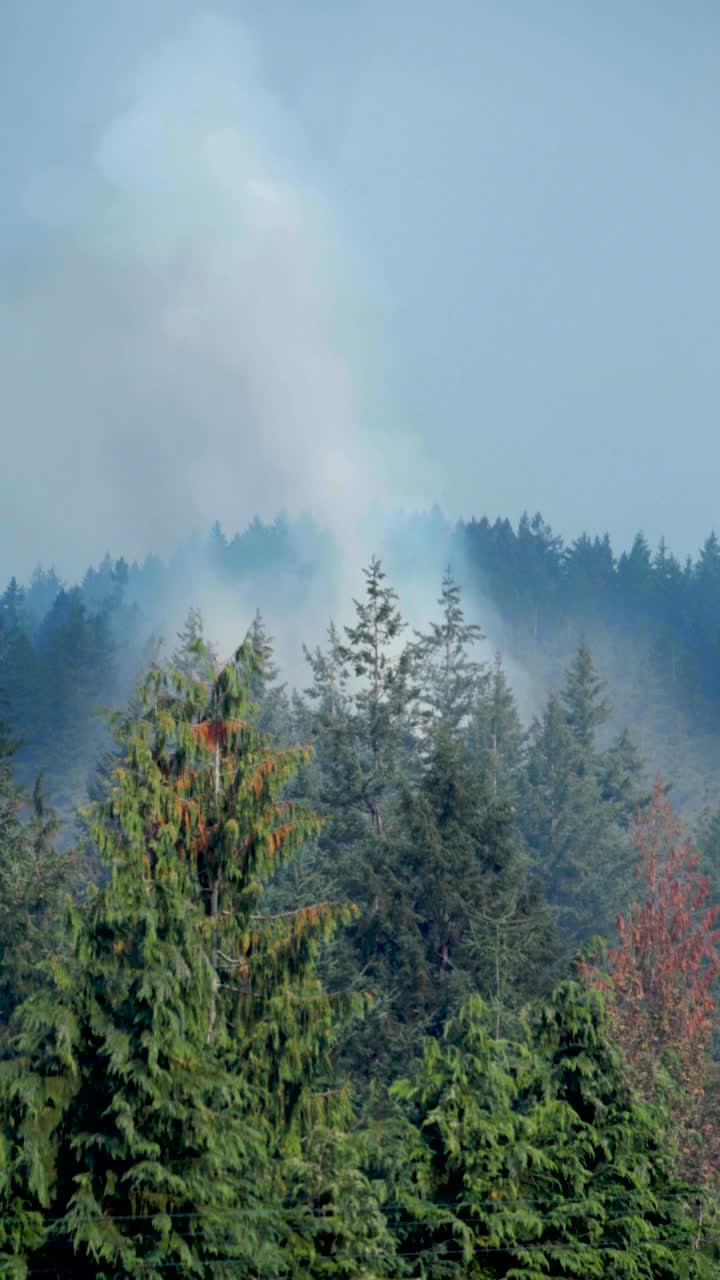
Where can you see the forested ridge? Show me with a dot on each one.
(379, 972)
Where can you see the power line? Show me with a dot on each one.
(668, 1197)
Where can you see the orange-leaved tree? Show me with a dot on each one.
(661, 977)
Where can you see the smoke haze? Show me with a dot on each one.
(174, 359)
(259, 255)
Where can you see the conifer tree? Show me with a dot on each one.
(360, 700)
(477, 917)
(448, 678)
(381, 696)
(269, 694)
(329, 713)
(33, 876)
(620, 771)
(77, 653)
(575, 803)
(158, 1109)
(45, 586)
(534, 1158)
(495, 734)
(193, 656)
(19, 677)
(585, 707)
(561, 820)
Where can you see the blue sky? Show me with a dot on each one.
(322, 255)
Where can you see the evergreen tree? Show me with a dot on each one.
(33, 876)
(158, 1104)
(575, 803)
(340, 737)
(217, 546)
(448, 679)
(381, 697)
(360, 715)
(474, 919)
(535, 1159)
(582, 695)
(269, 694)
(633, 579)
(620, 770)
(79, 677)
(495, 734)
(19, 677)
(562, 821)
(589, 566)
(193, 656)
(45, 586)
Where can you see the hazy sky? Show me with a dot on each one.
(317, 254)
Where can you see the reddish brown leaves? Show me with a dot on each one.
(213, 733)
(279, 836)
(661, 977)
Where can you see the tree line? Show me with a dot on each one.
(343, 1008)
(651, 620)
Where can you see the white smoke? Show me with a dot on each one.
(174, 357)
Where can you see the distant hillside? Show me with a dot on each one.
(652, 624)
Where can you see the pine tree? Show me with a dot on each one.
(19, 679)
(495, 735)
(45, 586)
(575, 803)
(193, 656)
(340, 740)
(585, 707)
(449, 680)
(217, 546)
(79, 677)
(381, 697)
(475, 919)
(159, 1103)
(620, 770)
(269, 694)
(33, 876)
(359, 709)
(534, 1158)
(560, 819)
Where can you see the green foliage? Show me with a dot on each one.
(425, 847)
(532, 1158)
(479, 920)
(174, 1079)
(33, 878)
(158, 1103)
(575, 802)
(193, 656)
(268, 692)
(585, 707)
(381, 696)
(495, 734)
(448, 679)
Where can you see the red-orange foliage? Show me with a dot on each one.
(212, 733)
(661, 975)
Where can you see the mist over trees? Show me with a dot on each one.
(378, 969)
(651, 622)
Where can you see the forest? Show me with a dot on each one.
(401, 963)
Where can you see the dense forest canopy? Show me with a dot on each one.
(371, 968)
(359, 869)
(651, 622)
